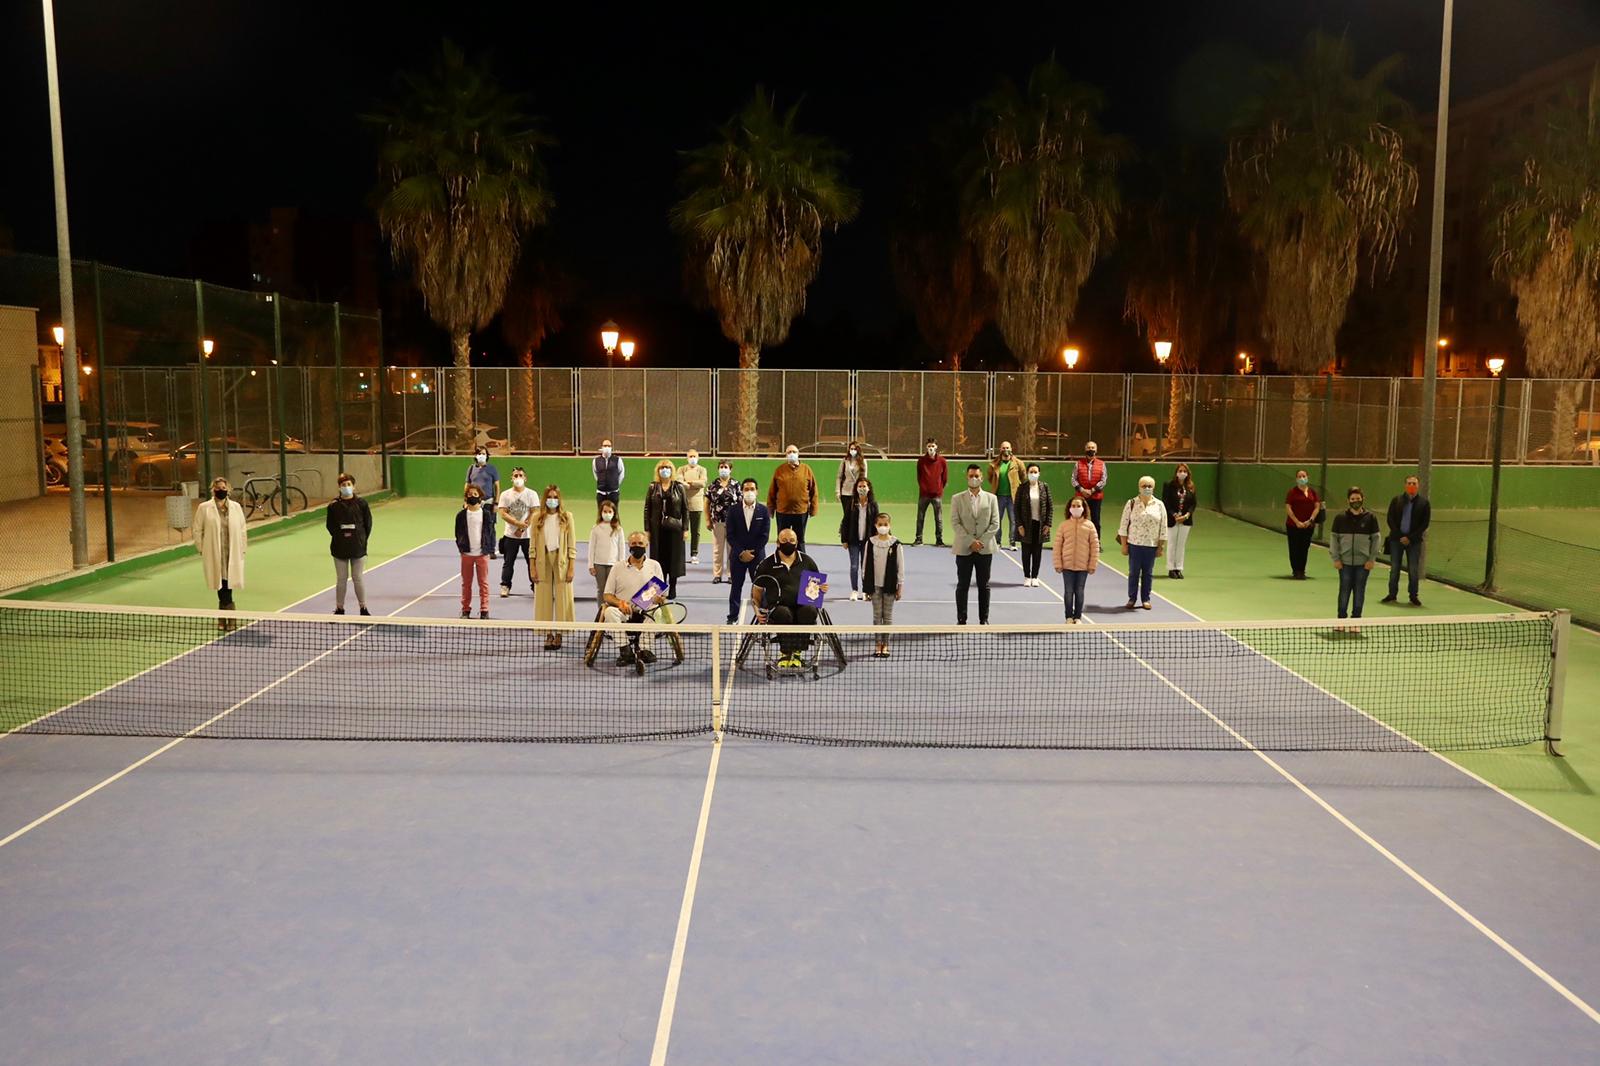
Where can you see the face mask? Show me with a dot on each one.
(694, 460)
(854, 453)
(347, 491)
(1411, 490)
(605, 453)
(786, 549)
(862, 490)
(607, 516)
(552, 504)
(1147, 490)
(724, 471)
(665, 472)
(932, 450)
(1033, 476)
(473, 501)
(883, 531)
(637, 550)
(1077, 512)
(221, 494)
(794, 458)
(519, 481)
(1301, 481)
(481, 458)
(1091, 453)
(1355, 505)
(750, 496)
(1183, 475)
(973, 482)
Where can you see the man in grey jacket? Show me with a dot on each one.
(1354, 543)
(974, 523)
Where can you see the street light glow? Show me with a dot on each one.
(208, 346)
(627, 350)
(608, 336)
(1444, 342)
(1496, 364)
(1070, 357)
(1163, 350)
(60, 335)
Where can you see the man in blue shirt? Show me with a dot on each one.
(486, 479)
(749, 526)
(1409, 515)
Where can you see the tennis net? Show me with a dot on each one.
(1396, 685)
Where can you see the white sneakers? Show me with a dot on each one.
(1030, 582)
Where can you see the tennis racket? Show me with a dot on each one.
(670, 613)
(770, 593)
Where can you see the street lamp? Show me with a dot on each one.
(208, 346)
(627, 350)
(1495, 365)
(60, 335)
(1163, 350)
(1246, 364)
(1070, 357)
(608, 338)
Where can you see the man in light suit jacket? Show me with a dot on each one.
(974, 521)
(749, 525)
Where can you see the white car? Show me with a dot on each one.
(427, 440)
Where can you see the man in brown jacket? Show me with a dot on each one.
(792, 498)
(1005, 475)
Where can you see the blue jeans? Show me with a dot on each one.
(1005, 513)
(1352, 586)
(1141, 565)
(1072, 584)
(796, 522)
(1412, 554)
(857, 551)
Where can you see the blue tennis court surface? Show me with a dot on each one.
(318, 902)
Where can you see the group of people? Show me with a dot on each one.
(682, 498)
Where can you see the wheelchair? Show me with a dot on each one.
(821, 643)
(666, 616)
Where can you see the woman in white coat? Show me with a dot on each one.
(219, 537)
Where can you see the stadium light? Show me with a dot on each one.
(1070, 357)
(1163, 351)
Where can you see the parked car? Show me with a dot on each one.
(183, 463)
(426, 440)
(833, 434)
(1584, 449)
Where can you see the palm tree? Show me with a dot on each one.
(460, 185)
(1545, 232)
(1319, 178)
(1041, 206)
(1185, 271)
(534, 297)
(936, 266)
(756, 202)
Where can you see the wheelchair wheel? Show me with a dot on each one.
(677, 648)
(746, 643)
(592, 648)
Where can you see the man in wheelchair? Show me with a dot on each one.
(776, 593)
(622, 586)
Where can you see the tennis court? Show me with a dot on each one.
(1179, 842)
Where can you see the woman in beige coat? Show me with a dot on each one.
(1077, 555)
(555, 556)
(220, 538)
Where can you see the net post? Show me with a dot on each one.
(1561, 635)
(716, 681)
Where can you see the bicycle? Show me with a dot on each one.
(276, 499)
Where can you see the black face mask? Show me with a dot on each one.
(636, 551)
(221, 494)
(1090, 455)
(787, 549)
(1356, 505)
(473, 501)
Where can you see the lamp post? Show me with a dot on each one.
(1496, 364)
(1163, 350)
(1070, 356)
(627, 350)
(1246, 364)
(608, 339)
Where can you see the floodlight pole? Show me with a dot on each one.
(1430, 344)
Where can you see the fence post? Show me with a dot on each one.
(105, 441)
(1327, 398)
(338, 388)
(382, 384)
(1222, 443)
(1498, 438)
(277, 405)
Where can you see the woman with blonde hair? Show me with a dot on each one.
(555, 555)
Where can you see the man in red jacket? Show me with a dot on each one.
(932, 476)
(1089, 479)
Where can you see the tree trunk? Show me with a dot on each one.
(749, 411)
(959, 437)
(524, 406)
(1175, 406)
(1564, 421)
(1028, 416)
(461, 390)
(1300, 420)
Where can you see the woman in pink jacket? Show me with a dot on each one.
(1077, 553)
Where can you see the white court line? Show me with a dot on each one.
(680, 940)
(174, 658)
(169, 745)
(1400, 864)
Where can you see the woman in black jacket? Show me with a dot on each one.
(1179, 497)
(1031, 516)
(349, 524)
(857, 527)
(666, 516)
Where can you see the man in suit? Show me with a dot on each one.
(1409, 515)
(974, 521)
(749, 527)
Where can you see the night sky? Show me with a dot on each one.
(185, 113)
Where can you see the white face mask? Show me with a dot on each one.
(1033, 475)
(347, 491)
(854, 453)
(794, 458)
(665, 472)
(1147, 490)
(1183, 475)
(723, 472)
(1077, 512)
(552, 504)
(883, 531)
(519, 481)
(481, 458)
(605, 453)
(862, 490)
(973, 482)
(932, 450)
(694, 460)
(750, 496)
(606, 516)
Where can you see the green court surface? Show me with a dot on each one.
(1236, 572)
